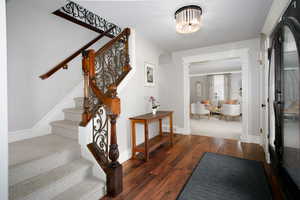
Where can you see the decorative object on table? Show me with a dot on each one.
(154, 104)
(149, 75)
(214, 110)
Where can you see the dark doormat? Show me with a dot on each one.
(221, 177)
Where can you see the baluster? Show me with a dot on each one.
(127, 48)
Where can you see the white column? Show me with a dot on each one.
(186, 96)
(246, 100)
(3, 106)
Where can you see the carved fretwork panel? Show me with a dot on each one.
(78, 12)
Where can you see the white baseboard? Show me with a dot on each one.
(42, 127)
(256, 139)
(125, 155)
(176, 129)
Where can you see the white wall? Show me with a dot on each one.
(37, 41)
(172, 83)
(134, 96)
(3, 106)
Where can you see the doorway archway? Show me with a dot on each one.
(243, 55)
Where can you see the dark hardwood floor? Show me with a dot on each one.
(164, 175)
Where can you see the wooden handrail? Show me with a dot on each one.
(126, 31)
(71, 57)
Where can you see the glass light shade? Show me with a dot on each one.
(188, 19)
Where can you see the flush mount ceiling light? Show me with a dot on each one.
(188, 19)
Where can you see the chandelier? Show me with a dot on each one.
(188, 19)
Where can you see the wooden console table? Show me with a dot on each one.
(150, 145)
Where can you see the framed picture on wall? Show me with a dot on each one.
(149, 75)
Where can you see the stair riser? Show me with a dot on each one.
(98, 193)
(36, 167)
(73, 116)
(81, 192)
(60, 186)
(65, 132)
(79, 103)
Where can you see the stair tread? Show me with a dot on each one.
(73, 110)
(86, 187)
(33, 184)
(66, 123)
(24, 151)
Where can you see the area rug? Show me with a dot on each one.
(221, 177)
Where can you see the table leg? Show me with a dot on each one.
(160, 127)
(133, 139)
(171, 129)
(146, 141)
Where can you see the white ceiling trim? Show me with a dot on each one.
(216, 73)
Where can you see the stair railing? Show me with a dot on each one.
(103, 71)
(64, 64)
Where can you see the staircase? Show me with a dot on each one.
(51, 166)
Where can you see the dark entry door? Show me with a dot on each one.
(284, 101)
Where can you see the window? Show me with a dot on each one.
(219, 87)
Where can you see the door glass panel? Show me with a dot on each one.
(290, 106)
(271, 100)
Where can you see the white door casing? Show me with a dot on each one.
(243, 55)
(3, 106)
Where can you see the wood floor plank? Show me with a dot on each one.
(168, 169)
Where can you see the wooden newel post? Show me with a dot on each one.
(88, 68)
(113, 148)
(115, 171)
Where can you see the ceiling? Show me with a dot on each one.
(217, 66)
(223, 20)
